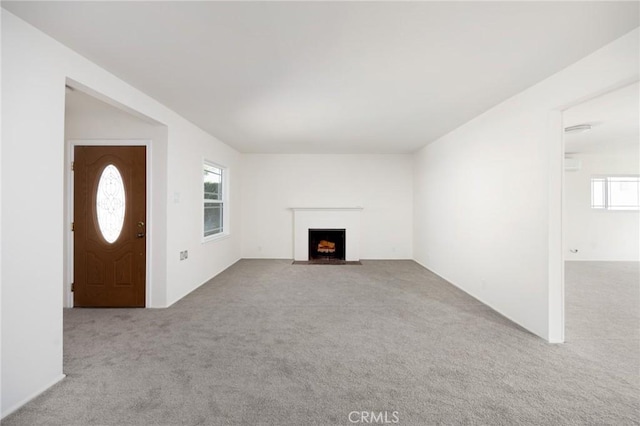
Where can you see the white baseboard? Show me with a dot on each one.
(479, 299)
(17, 406)
(602, 260)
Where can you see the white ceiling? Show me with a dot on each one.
(331, 77)
(615, 121)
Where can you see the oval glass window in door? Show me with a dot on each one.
(110, 203)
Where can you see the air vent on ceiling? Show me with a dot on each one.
(578, 128)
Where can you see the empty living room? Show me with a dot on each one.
(320, 213)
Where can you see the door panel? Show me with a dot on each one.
(109, 226)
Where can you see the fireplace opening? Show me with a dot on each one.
(327, 245)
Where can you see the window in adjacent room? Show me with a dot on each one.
(615, 192)
(214, 200)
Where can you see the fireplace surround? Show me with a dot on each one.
(328, 218)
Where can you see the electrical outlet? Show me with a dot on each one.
(186, 254)
(183, 255)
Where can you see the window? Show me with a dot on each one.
(110, 203)
(214, 200)
(615, 192)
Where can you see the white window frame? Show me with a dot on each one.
(223, 201)
(605, 180)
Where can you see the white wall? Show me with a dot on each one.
(488, 195)
(87, 118)
(1, 207)
(599, 234)
(381, 184)
(34, 72)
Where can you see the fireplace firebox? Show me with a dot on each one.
(327, 245)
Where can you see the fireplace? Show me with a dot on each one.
(345, 219)
(327, 245)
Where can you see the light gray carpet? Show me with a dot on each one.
(603, 314)
(271, 343)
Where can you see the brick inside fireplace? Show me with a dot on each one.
(327, 245)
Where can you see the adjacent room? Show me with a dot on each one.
(320, 213)
(602, 229)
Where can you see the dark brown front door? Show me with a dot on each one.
(109, 226)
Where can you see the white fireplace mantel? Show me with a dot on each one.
(347, 218)
(325, 208)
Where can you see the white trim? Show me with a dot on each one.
(71, 144)
(15, 407)
(324, 208)
(555, 277)
(480, 300)
(215, 237)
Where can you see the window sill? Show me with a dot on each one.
(217, 237)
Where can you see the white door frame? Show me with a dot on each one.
(555, 231)
(556, 276)
(71, 144)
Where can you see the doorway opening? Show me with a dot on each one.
(601, 221)
(94, 120)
